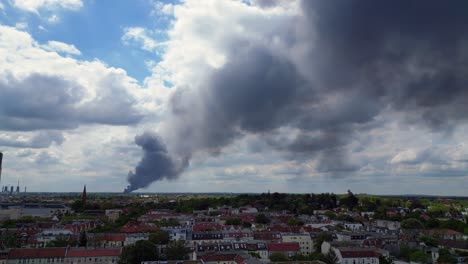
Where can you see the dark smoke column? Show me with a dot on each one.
(155, 165)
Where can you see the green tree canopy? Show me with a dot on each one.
(278, 257)
(446, 257)
(262, 219)
(58, 242)
(159, 237)
(83, 241)
(234, 221)
(177, 251)
(411, 223)
(142, 250)
(331, 258)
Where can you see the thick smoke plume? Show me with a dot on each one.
(155, 165)
(345, 64)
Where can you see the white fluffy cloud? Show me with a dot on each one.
(61, 47)
(36, 5)
(41, 89)
(59, 115)
(141, 37)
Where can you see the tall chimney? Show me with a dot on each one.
(1, 159)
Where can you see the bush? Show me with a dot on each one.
(277, 257)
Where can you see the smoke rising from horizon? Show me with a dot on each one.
(342, 65)
(156, 162)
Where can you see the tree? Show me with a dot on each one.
(385, 260)
(419, 256)
(234, 221)
(411, 223)
(446, 257)
(295, 222)
(322, 237)
(331, 258)
(432, 223)
(159, 237)
(278, 257)
(177, 251)
(429, 241)
(83, 241)
(142, 250)
(351, 201)
(58, 242)
(78, 206)
(167, 222)
(11, 240)
(9, 223)
(262, 219)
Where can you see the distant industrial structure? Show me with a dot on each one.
(8, 190)
(18, 210)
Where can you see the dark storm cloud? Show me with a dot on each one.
(51, 102)
(410, 55)
(361, 59)
(42, 139)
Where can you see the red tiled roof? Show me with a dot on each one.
(138, 228)
(359, 254)
(425, 217)
(454, 244)
(442, 232)
(218, 257)
(21, 253)
(284, 247)
(113, 237)
(250, 218)
(206, 226)
(108, 252)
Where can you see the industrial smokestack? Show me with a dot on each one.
(1, 160)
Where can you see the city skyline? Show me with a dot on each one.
(234, 96)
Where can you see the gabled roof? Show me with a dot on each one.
(441, 232)
(218, 257)
(359, 254)
(22, 253)
(105, 252)
(112, 237)
(284, 247)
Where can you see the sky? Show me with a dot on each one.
(235, 96)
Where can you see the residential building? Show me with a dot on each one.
(177, 232)
(92, 256)
(353, 226)
(288, 249)
(132, 238)
(37, 255)
(305, 242)
(113, 214)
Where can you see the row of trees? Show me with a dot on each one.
(413, 223)
(147, 250)
(329, 258)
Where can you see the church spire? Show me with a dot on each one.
(83, 196)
